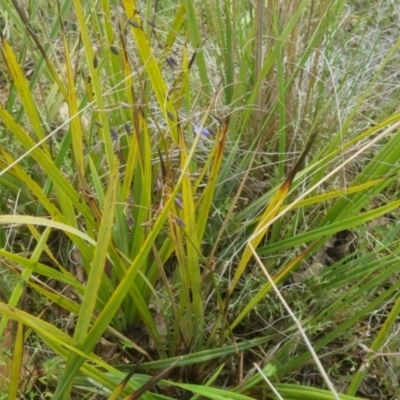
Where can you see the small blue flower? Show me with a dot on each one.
(204, 131)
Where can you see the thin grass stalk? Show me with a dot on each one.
(298, 325)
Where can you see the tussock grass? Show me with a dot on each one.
(199, 200)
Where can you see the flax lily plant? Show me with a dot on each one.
(170, 173)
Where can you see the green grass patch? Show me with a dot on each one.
(199, 200)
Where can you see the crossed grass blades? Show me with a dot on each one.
(171, 179)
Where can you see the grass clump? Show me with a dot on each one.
(199, 200)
